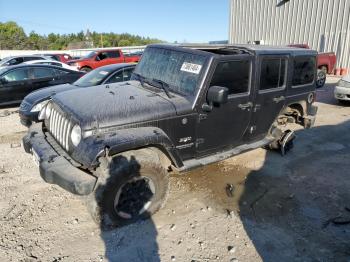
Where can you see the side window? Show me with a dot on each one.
(273, 73)
(114, 54)
(60, 72)
(127, 74)
(117, 77)
(15, 61)
(234, 75)
(15, 75)
(31, 58)
(55, 64)
(303, 70)
(41, 72)
(102, 55)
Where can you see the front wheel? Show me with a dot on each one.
(133, 187)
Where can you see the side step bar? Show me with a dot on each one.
(193, 163)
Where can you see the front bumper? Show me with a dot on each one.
(55, 168)
(342, 93)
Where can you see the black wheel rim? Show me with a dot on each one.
(134, 197)
(321, 80)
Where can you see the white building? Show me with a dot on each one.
(322, 24)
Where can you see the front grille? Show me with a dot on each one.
(60, 127)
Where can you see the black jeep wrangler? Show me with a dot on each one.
(184, 107)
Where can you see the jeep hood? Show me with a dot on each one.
(118, 104)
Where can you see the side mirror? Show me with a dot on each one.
(97, 58)
(216, 95)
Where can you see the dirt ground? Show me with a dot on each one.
(292, 208)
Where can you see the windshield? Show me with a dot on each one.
(181, 71)
(90, 55)
(93, 78)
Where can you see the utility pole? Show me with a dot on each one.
(101, 40)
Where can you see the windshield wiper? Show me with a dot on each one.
(163, 85)
(140, 78)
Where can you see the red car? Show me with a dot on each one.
(64, 58)
(325, 61)
(99, 58)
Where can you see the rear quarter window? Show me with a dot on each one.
(304, 70)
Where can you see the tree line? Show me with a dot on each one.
(13, 37)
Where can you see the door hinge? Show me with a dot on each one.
(199, 141)
(202, 117)
(256, 107)
(252, 129)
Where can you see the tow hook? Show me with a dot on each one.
(286, 141)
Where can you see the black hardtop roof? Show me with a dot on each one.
(245, 48)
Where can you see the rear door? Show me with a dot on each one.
(14, 85)
(270, 94)
(41, 77)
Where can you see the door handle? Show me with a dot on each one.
(279, 99)
(245, 106)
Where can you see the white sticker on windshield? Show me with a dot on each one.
(103, 73)
(192, 68)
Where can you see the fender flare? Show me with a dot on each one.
(135, 138)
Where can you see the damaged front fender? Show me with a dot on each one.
(92, 148)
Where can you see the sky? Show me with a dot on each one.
(177, 20)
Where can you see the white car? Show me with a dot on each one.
(51, 62)
(342, 89)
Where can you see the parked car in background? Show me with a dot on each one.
(18, 81)
(137, 53)
(64, 58)
(96, 59)
(51, 62)
(325, 64)
(325, 61)
(32, 103)
(15, 60)
(342, 89)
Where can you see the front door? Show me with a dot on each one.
(270, 94)
(224, 126)
(14, 85)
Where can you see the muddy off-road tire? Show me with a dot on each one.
(131, 186)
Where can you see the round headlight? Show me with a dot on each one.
(39, 106)
(75, 136)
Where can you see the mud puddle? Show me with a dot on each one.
(220, 185)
